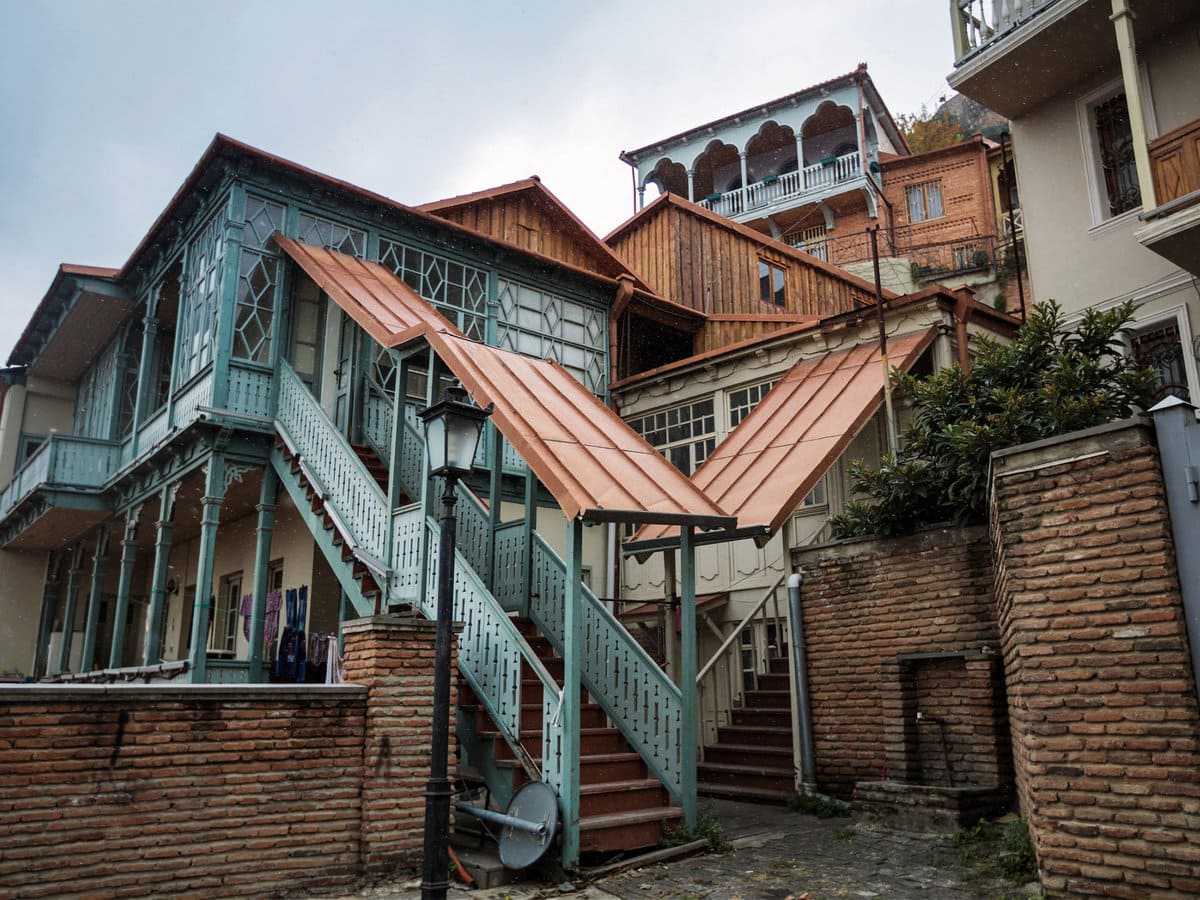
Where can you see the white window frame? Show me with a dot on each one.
(223, 630)
(1097, 193)
(693, 441)
(1178, 315)
(763, 387)
(923, 187)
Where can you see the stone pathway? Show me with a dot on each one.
(775, 854)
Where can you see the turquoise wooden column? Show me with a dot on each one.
(74, 576)
(116, 651)
(428, 496)
(50, 590)
(227, 298)
(395, 482)
(163, 529)
(530, 528)
(572, 672)
(688, 736)
(146, 374)
(262, 564)
(210, 518)
(495, 477)
(95, 598)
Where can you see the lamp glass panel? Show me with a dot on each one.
(435, 440)
(462, 438)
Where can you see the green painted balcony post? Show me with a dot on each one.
(495, 499)
(262, 565)
(687, 682)
(74, 576)
(395, 476)
(530, 529)
(163, 529)
(181, 326)
(210, 518)
(345, 611)
(116, 650)
(95, 598)
(145, 375)
(428, 497)
(572, 672)
(227, 296)
(50, 592)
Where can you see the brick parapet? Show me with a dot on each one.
(1101, 698)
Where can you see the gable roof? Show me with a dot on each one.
(532, 189)
(643, 217)
(779, 452)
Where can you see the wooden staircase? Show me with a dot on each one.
(333, 540)
(621, 806)
(752, 758)
(375, 466)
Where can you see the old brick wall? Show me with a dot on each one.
(161, 790)
(877, 614)
(1102, 705)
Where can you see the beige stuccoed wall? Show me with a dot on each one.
(1072, 259)
(49, 406)
(22, 575)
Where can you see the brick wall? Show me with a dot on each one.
(879, 614)
(1102, 704)
(160, 790)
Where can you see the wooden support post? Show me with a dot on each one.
(530, 529)
(262, 566)
(210, 518)
(116, 649)
(572, 695)
(428, 497)
(163, 529)
(688, 736)
(95, 598)
(74, 576)
(74, 580)
(50, 590)
(670, 607)
(495, 482)
(395, 482)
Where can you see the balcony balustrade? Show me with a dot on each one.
(1175, 162)
(63, 461)
(788, 186)
(977, 22)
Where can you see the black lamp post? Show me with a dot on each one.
(452, 429)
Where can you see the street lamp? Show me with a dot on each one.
(452, 429)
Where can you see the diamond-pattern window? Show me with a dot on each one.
(457, 291)
(263, 218)
(548, 326)
(255, 310)
(324, 232)
(198, 306)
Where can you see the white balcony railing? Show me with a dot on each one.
(977, 22)
(791, 185)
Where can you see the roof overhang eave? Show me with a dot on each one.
(671, 541)
(707, 523)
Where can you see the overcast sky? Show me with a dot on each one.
(106, 105)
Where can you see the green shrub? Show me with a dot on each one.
(708, 828)
(1049, 380)
(819, 805)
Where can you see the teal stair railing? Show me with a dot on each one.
(377, 420)
(357, 501)
(618, 673)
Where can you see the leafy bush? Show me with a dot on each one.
(1049, 380)
(818, 805)
(708, 828)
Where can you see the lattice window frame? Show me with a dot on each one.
(457, 290)
(549, 326)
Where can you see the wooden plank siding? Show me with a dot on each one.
(712, 267)
(524, 220)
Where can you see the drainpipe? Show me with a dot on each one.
(962, 314)
(808, 768)
(1122, 19)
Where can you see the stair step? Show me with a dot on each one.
(743, 792)
(771, 718)
(768, 778)
(620, 796)
(762, 699)
(778, 665)
(773, 682)
(762, 735)
(748, 754)
(625, 830)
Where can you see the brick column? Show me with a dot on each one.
(393, 656)
(1103, 709)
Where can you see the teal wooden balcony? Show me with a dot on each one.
(63, 462)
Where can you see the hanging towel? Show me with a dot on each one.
(333, 664)
(245, 611)
(289, 647)
(301, 643)
(271, 622)
(318, 649)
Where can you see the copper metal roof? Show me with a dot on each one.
(594, 464)
(375, 297)
(785, 446)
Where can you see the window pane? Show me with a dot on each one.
(1114, 139)
(764, 282)
(916, 204)
(933, 198)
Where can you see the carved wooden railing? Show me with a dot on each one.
(63, 460)
(491, 656)
(633, 690)
(977, 22)
(1175, 161)
(778, 188)
(348, 487)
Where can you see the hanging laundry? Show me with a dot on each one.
(271, 622)
(333, 665)
(301, 643)
(318, 649)
(289, 656)
(246, 610)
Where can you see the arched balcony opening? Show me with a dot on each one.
(828, 133)
(717, 170)
(771, 152)
(667, 177)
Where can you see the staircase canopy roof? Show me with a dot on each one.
(596, 467)
(782, 450)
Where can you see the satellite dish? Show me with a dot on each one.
(527, 830)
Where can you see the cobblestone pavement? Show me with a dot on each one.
(775, 854)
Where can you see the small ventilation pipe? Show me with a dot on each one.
(808, 768)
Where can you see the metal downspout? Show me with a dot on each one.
(808, 768)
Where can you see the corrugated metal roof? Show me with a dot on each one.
(595, 465)
(374, 296)
(785, 446)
